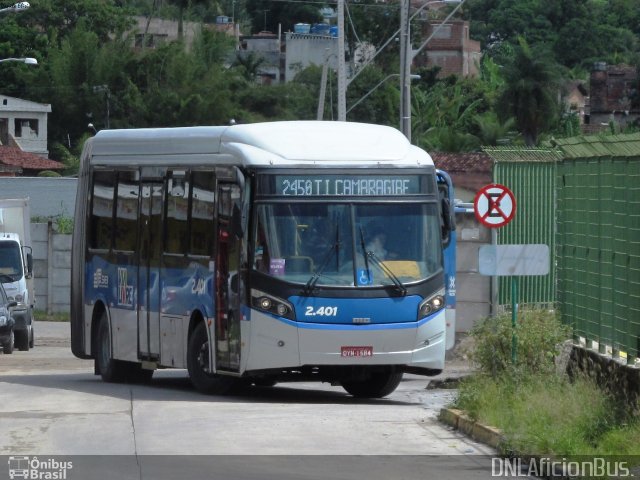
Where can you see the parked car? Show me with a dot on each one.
(7, 322)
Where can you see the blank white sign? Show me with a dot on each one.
(510, 260)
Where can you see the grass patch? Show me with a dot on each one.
(548, 415)
(41, 315)
(542, 412)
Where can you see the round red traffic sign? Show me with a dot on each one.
(494, 205)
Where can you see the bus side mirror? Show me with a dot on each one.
(448, 221)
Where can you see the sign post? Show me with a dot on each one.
(494, 207)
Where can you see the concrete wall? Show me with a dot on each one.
(49, 196)
(473, 290)
(52, 268)
(306, 49)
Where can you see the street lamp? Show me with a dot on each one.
(412, 77)
(18, 7)
(27, 60)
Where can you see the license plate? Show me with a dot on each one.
(356, 351)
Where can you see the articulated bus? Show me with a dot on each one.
(258, 254)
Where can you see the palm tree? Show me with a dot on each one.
(531, 92)
(249, 64)
(492, 131)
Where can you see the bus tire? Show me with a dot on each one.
(377, 385)
(198, 365)
(111, 370)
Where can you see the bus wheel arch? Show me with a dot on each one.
(198, 360)
(99, 310)
(108, 367)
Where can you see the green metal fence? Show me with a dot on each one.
(599, 241)
(530, 173)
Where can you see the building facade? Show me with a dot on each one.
(450, 48)
(23, 124)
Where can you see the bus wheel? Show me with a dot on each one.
(198, 365)
(110, 370)
(377, 385)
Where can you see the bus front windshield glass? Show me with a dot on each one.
(355, 245)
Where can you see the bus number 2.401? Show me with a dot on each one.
(322, 311)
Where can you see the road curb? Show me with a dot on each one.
(480, 433)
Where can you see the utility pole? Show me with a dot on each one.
(405, 69)
(342, 74)
(407, 54)
(323, 86)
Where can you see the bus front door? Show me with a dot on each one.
(227, 306)
(149, 249)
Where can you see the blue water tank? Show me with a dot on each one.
(301, 28)
(321, 29)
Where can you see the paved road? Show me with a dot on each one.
(53, 405)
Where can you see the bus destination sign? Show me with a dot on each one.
(348, 185)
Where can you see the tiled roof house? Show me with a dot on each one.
(15, 162)
(23, 138)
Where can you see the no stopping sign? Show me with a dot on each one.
(494, 205)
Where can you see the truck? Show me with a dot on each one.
(16, 267)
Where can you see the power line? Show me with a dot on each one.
(370, 5)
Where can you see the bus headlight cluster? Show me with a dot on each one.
(271, 304)
(3, 321)
(431, 305)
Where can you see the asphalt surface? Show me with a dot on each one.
(54, 408)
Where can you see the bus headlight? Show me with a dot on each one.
(3, 321)
(271, 304)
(431, 305)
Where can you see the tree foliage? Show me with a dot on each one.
(90, 73)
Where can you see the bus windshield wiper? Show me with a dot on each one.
(366, 256)
(380, 264)
(335, 247)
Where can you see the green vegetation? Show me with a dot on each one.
(61, 223)
(90, 72)
(42, 316)
(539, 411)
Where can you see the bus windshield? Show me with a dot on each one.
(356, 245)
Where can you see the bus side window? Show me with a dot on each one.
(177, 226)
(202, 214)
(126, 220)
(101, 222)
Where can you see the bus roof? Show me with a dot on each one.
(292, 143)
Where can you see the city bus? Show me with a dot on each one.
(260, 253)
